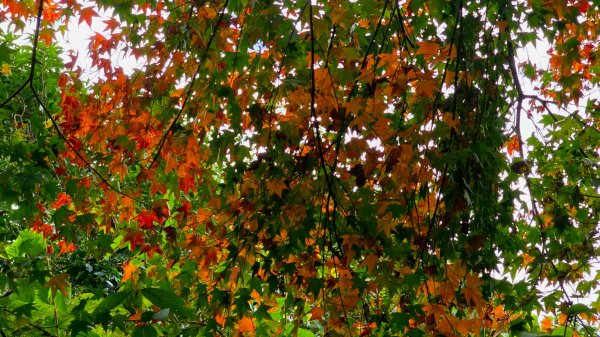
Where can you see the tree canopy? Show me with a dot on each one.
(299, 168)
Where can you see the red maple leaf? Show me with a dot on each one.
(185, 208)
(134, 239)
(146, 219)
(61, 200)
(112, 24)
(583, 6)
(65, 248)
(187, 184)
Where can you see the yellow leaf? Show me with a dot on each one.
(59, 282)
(6, 69)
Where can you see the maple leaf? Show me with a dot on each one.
(426, 88)
(51, 11)
(370, 262)
(61, 200)
(118, 167)
(134, 239)
(387, 224)
(111, 24)
(185, 208)
(65, 248)
(450, 120)
(469, 326)
(472, 293)
(246, 325)
(188, 109)
(437, 310)
(187, 184)
(47, 35)
(276, 186)
(382, 127)
(60, 283)
(527, 259)
(428, 48)
(583, 7)
(316, 313)
(512, 145)
(86, 14)
(146, 219)
(547, 323)
(129, 272)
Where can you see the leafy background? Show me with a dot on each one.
(329, 168)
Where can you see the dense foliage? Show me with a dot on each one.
(299, 168)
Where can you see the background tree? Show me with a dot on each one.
(302, 168)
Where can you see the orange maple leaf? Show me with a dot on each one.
(316, 313)
(428, 48)
(450, 120)
(59, 282)
(382, 127)
(65, 248)
(547, 323)
(370, 262)
(512, 145)
(246, 325)
(61, 200)
(437, 310)
(46, 35)
(426, 88)
(118, 167)
(276, 186)
(86, 14)
(472, 293)
(527, 259)
(387, 224)
(129, 272)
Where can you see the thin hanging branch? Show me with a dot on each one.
(191, 86)
(29, 82)
(36, 36)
